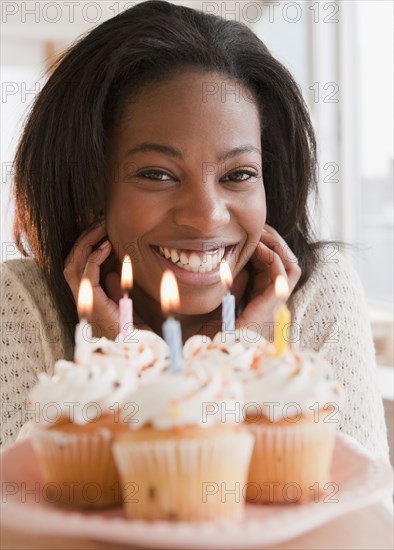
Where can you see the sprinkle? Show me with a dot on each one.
(255, 363)
(295, 373)
(174, 412)
(148, 366)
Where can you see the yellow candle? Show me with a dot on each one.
(283, 317)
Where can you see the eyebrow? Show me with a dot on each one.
(176, 153)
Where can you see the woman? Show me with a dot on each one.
(176, 137)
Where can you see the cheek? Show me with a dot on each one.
(251, 218)
(253, 214)
(129, 217)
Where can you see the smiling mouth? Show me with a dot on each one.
(193, 260)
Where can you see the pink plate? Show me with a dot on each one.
(357, 481)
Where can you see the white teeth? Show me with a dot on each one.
(194, 261)
(184, 259)
(174, 256)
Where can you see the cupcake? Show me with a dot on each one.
(186, 451)
(291, 406)
(79, 409)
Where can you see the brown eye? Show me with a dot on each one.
(156, 175)
(240, 176)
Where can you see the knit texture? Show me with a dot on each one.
(329, 312)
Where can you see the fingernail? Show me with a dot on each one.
(104, 245)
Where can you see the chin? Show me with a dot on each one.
(198, 307)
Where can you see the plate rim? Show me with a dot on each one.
(149, 534)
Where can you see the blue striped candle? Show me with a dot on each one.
(228, 312)
(172, 334)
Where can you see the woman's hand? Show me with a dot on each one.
(85, 261)
(271, 258)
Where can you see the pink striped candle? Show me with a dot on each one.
(125, 303)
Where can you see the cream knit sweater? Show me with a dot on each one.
(330, 312)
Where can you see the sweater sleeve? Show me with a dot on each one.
(332, 318)
(30, 340)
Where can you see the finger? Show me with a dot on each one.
(105, 307)
(266, 260)
(270, 235)
(275, 242)
(75, 262)
(94, 261)
(83, 247)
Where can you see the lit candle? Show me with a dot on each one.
(169, 297)
(283, 317)
(83, 330)
(228, 302)
(125, 303)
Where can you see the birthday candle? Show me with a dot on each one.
(83, 330)
(172, 332)
(125, 303)
(228, 301)
(283, 317)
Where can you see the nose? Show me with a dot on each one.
(202, 209)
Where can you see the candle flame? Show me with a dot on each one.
(169, 295)
(225, 274)
(85, 298)
(126, 281)
(281, 287)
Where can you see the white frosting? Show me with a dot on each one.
(85, 392)
(195, 396)
(287, 386)
(295, 383)
(146, 353)
(82, 394)
(237, 350)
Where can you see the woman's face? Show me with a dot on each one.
(188, 189)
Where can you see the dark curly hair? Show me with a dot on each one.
(62, 160)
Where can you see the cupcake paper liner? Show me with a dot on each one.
(185, 479)
(78, 469)
(290, 463)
